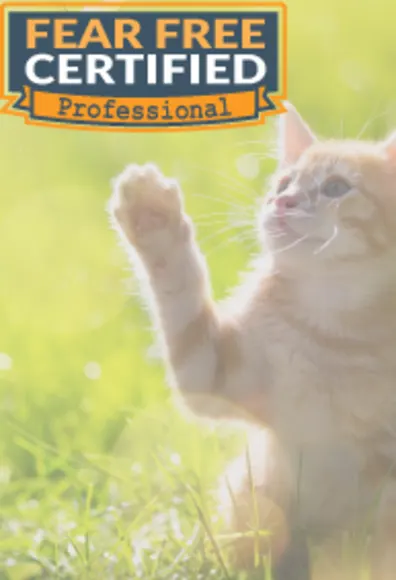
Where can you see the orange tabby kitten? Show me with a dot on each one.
(308, 349)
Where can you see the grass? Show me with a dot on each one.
(100, 476)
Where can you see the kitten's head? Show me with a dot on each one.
(332, 202)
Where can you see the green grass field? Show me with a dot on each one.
(99, 475)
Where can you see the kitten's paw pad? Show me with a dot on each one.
(146, 203)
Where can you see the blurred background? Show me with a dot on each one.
(94, 458)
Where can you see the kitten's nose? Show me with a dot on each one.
(285, 202)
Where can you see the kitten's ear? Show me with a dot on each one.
(390, 147)
(294, 136)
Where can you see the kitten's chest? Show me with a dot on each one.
(336, 418)
(325, 393)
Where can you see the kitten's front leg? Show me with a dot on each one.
(148, 211)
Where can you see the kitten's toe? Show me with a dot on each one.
(148, 209)
(145, 202)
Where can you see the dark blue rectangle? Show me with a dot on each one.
(18, 54)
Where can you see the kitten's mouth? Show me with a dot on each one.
(292, 224)
(287, 225)
(281, 220)
(282, 225)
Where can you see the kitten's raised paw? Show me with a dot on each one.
(147, 208)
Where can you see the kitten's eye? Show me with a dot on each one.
(283, 184)
(335, 187)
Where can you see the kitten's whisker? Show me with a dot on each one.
(292, 245)
(328, 242)
(223, 214)
(369, 122)
(236, 238)
(231, 225)
(297, 214)
(219, 232)
(208, 223)
(237, 188)
(237, 206)
(239, 236)
(270, 151)
(231, 218)
(243, 210)
(276, 234)
(257, 155)
(245, 218)
(246, 235)
(248, 224)
(237, 183)
(215, 172)
(246, 191)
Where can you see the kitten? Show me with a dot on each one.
(307, 350)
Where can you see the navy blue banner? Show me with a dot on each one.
(19, 54)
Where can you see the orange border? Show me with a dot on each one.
(277, 99)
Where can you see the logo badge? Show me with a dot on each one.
(143, 66)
